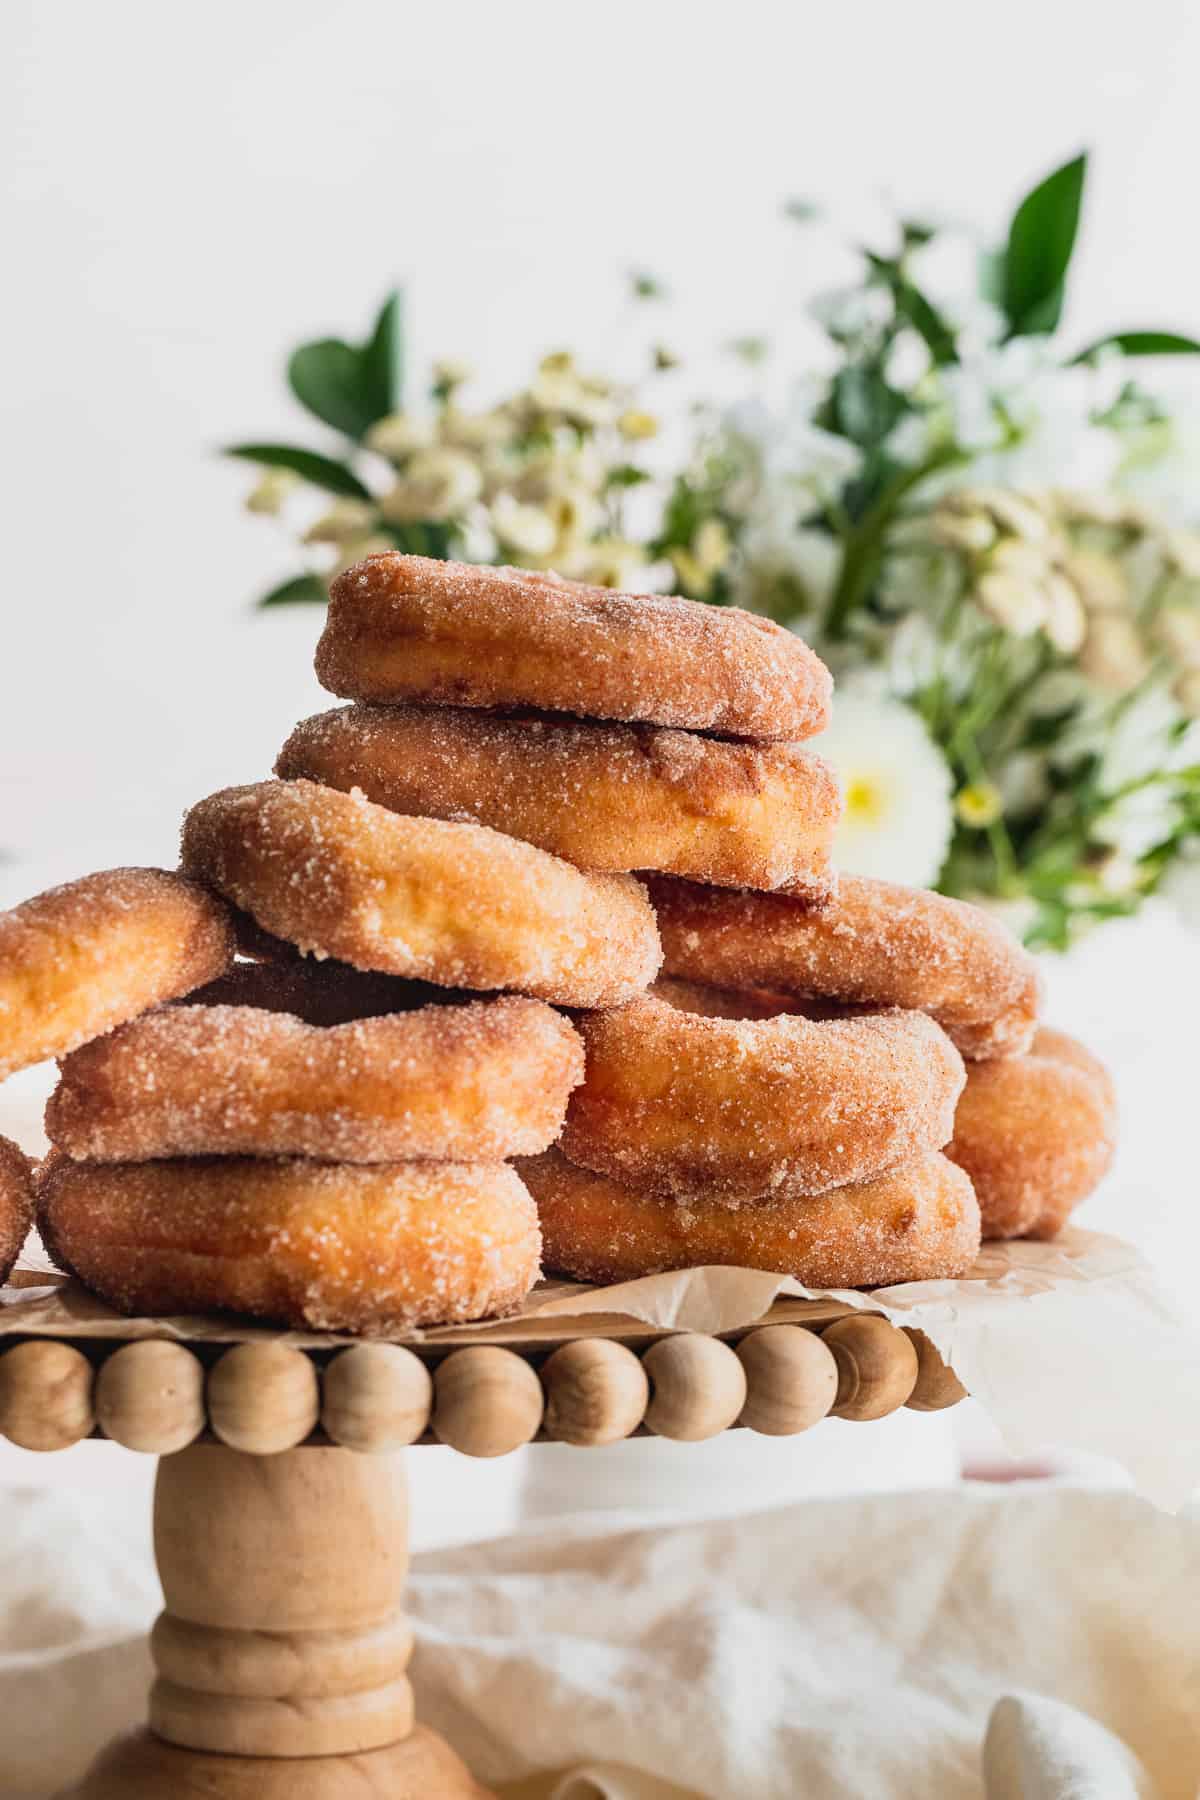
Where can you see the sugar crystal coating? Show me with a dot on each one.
(406, 628)
(876, 943)
(16, 1204)
(81, 958)
(459, 905)
(1035, 1133)
(377, 1250)
(917, 1222)
(615, 797)
(470, 1083)
(680, 1103)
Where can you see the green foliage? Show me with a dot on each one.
(350, 386)
(318, 471)
(299, 590)
(1143, 343)
(1041, 241)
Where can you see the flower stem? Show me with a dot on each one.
(863, 543)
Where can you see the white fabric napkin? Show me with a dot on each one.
(835, 1647)
(1039, 1749)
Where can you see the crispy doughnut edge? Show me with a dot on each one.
(619, 798)
(472, 1083)
(80, 959)
(679, 1103)
(876, 944)
(407, 628)
(16, 1204)
(1036, 1134)
(918, 1222)
(457, 904)
(315, 1246)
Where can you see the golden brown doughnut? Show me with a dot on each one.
(876, 944)
(1035, 1133)
(320, 993)
(473, 1083)
(680, 1104)
(406, 628)
(81, 958)
(16, 1204)
(617, 797)
(326, 1246)
(918, 1222)
(458, 905)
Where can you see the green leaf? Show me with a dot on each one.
(928, 322)
(383, 359)
(1143, 343)
(328, 378)
(319, 471)
(1041, 240)
(625, 475)
(300, 590)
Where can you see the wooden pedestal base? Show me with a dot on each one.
(142, 1767)
(282, 1652)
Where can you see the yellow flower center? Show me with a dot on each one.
(864, 801)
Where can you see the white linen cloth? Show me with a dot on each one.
(831, 1648)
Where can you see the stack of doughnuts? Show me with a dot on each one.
(533, 952)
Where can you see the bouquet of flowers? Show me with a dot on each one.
(986, 530)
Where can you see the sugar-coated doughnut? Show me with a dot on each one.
(876, 943)
(326, 1246)
(681, 1104)
(406, 628)
(16, 1204)
(617, 797)
(320, 993)
(1035, 1133)
(471, 1083)
(81, 958)
(917, 1222)
(458, 905)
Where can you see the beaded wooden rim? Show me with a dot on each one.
(583, 1382)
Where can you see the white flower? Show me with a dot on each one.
(792, 454)
(908, 360)
(523, 530)
(896, 787)
(1023, 419)
(853, 311)
(345, 519)
(1112, 654)
(781, 557)
(436, 484)
(271, 491)
(1162, 462)
(398, 436)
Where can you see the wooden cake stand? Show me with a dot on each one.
(280, 1521)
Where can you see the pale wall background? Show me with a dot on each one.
(187, 192)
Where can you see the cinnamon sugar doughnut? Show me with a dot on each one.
(617, 797)
(16, 1204)
(1035, 1133)
(918, 1222)
(320, 993)
(876, 943)
(459, 905)
(682, 1104)
(405, 628)
(473, 1083)
(322, 1246)
(81, 958)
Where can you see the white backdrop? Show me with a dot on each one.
(189, 191)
